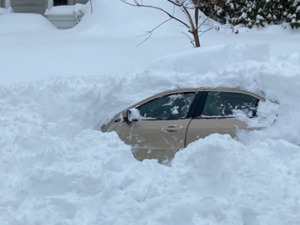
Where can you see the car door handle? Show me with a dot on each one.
(172, 128)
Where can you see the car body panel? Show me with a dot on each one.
(201, 128)
(162, 138)
(153, 139)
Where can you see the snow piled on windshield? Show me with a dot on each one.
(58, 168)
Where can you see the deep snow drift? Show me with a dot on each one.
(58, 168)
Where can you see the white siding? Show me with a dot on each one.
(34, 6)
(80, 1)
(29, 6)
(62, 21)
(73, 2)
(2, 4)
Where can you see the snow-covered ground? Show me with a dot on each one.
(58, 86)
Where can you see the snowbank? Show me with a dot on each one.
(58, 168)
(5, 10)
(54, 162)
(13, 23)
(117, 19)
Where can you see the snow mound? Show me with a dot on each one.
(126, 24)
(57, 168)
(5, 10)
(24, 23)
(214, 58)
(54, 162)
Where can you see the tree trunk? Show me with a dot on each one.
(196, 38)
(196, 28)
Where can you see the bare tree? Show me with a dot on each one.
(192, 19)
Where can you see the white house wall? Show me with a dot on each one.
(35, 6)
(80, 1)
(29, 6)
(62, 21)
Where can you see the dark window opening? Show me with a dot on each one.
(223, 104)
(170, 107)
(60, 2)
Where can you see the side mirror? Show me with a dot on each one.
(125, 115)
(131, 115)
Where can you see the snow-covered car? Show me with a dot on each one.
(161, 125)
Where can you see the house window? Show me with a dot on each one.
(60, 2)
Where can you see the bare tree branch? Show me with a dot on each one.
(196, 17)
(137, 4)
(182, 3)
(150, 32)
(203, 22)
(189, 17)
(189, 8)
(204, 31)
(191, 39)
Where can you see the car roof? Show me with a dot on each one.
(223, 89)
(186, 90)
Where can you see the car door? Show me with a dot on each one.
(160, 128)
(216, 114)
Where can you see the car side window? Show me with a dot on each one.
(174, 106)
(223, 104)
